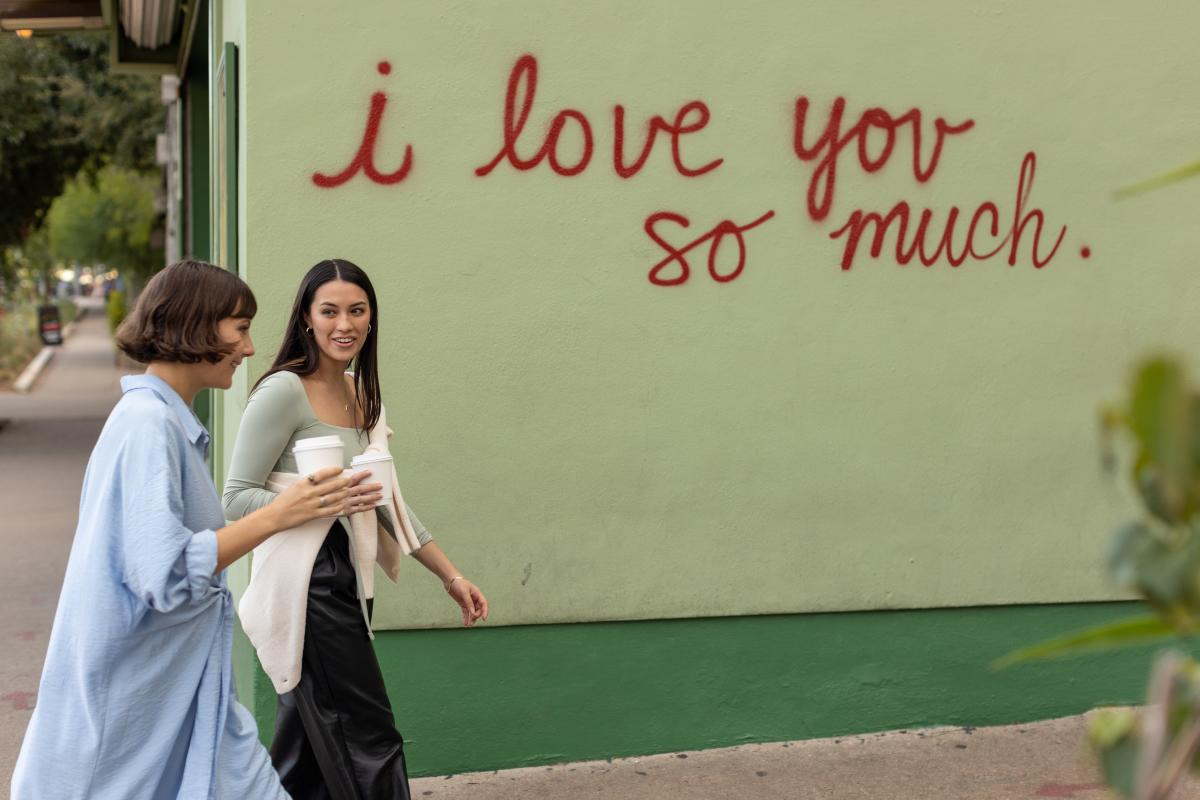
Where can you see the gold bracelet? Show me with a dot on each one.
(450, 582)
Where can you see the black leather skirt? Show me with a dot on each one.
(335, 737)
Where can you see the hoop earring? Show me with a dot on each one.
(368, 327)
(308, 330)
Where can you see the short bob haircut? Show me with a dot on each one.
(176, 315)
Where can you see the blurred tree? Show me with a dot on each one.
(23, 267)
(107, 219)
(61, 110)
(9, 266)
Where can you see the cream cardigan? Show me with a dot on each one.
(275, 604)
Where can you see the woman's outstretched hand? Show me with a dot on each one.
(470, 600)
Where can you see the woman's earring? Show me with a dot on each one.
(308, 330)
(368, 327)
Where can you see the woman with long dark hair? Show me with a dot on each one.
(136, 698)
(308, 606)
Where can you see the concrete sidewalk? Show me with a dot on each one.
(1013, 762)
(46, 437)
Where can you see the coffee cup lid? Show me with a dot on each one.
(370, 458)
(318, 443)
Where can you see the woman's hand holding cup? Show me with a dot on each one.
(324, 493)
(361, 496)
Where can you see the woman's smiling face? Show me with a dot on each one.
(339, 317)
(233, 331)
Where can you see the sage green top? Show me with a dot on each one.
(277, 415)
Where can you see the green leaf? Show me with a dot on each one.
(1163, 565)
(1110, 725)
(1193, 490)
(1119, 764)
(1123, 633)
(1147, 479)
(1160, 416)
(1185, 705)
(1113, 734)
(1158, 181)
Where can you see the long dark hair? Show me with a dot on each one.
(298, 352)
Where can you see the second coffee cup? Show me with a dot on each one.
(381, 472)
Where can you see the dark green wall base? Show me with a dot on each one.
(471, 700)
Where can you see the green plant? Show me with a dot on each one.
(23, 268)
(1146, 753)
(67, 312)
(115, 310)
(19, 340)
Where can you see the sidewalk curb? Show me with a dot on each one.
(24, 382)
(29, 375)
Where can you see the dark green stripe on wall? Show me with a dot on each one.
(518, 696)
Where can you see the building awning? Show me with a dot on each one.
(151, 36)
(51, 15)
(150, 24)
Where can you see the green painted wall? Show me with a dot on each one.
(804, 439)
(231, 111)
(594, 447)
(494, 698)
(224, 22)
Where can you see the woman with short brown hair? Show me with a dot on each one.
(136, 698)
(178, 313)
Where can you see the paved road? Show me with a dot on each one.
(45, 440)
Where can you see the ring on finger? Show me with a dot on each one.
(321, 500)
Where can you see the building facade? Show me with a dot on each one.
(747, 356)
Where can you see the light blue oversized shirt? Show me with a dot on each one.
(136, 698)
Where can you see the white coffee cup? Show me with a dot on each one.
(318, 452)
(380, 465)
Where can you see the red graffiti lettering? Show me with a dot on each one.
(364, 159)
(524, 72)
(906, 249)
(518, 105)
(565, 139)
(678, 255)
(674, 130)
(829, 145)
(1020, 220)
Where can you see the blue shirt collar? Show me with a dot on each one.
(191, 425)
